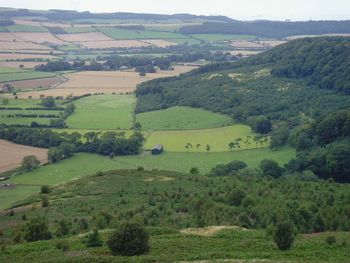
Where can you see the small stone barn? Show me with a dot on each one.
(157, 149)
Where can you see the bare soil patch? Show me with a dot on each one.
(208, 231)
(40, 38)
(11, 155)
(43, 83)
(159, 42)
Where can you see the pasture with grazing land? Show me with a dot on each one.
(103, 112)
(218, 139)
(181, 118)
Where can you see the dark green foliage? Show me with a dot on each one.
(93, 239)
(235, 197)
(63, 228)
(30, 163)
(284, 235)
(270, 168)
(129, 240)
(194, 170)
(331, 240)
(45, 189)
(274, 29)
(45, 201)
(260, 124)
(228, 169)
(36, 229)
(62, 245)
(48, 102)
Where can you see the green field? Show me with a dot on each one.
(25, 75)
(103, 112)
(74, 30)
(26, 28)
(20, 192)
(181, 118)
(117, 33)
(222, 37)
(218, 139)
(4, 70)
(22, 103)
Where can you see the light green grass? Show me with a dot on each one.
(218, 139)
(25, 75)
(26, 28)
(23, 121)
(222, 37)
(20, 103)
(180, 118)
(4, 70)
(188, 41)
(20, 192)
(103, 112)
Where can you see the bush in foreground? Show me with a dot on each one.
(36, 229)
(129, 240)
(284, 235)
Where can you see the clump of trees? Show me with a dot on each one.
(30, 163)
(129, 240)
(228, 169)
(36, 229)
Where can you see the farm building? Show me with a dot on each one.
(157, 149)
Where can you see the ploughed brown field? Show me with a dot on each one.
(21, 45)
(35, 37)
(43, 83)
(106, 82)
(11, 155)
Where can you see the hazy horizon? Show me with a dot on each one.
(296, 10)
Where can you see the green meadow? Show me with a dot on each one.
(23, 75)
(218, 139)
(181, 118)
(222, 37)
(103, 112)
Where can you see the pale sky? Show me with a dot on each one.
(236, 9)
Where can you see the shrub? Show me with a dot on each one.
(63, 228)
(194, 170)
(45, 189)
(36, 229)
(62, 245)
(271, 168)
(331, 240)
(93, 239)
(284, 235)
(129, 240)
(236, 197)
(45, 201)
(30, 163)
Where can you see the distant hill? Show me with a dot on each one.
(270, 29)
(307, 76)
(74, 15)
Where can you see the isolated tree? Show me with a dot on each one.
(188, 146)
(129, 240)
(207, 148)
(30, 163)
(284, 235)
(36, 229)
(232, 145)
(21, 66)
(198, 146)
(93, 239)
(194, 170)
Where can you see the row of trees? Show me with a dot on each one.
(64, 145)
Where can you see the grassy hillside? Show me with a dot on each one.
(179, 201)
(103, 112)
(181, 118)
